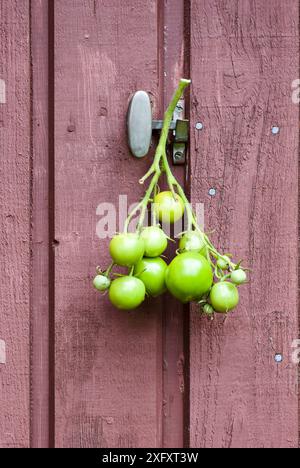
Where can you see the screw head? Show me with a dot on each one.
(212, 192)
(178, 156)
(278, 358)
(199, 126)
(275, 130)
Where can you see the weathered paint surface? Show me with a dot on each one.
(14, 222)
(108, 364)
(244, 57)
(73, 371)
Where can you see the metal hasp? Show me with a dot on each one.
(181, 134)
(140, 126)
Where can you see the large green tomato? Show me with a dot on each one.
(155, 241)
(152, 272)
(167, 208)
(127, 292)
(191, 241)
(127, 249)
(189, 276)
(224, 296)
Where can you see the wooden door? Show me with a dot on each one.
(74, 372)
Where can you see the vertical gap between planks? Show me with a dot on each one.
(41, 224)
(174, 26)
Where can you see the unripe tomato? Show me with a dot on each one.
(155, 241)
(127, 249)
(127, 292)
(238, 276)
(101, 283)
(152, 272)
(189, 276)
(191, 241)
(224, 296)
(223, 262)
(167, 208)
(208, 310)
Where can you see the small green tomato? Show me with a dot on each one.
(238, 276)
(191, 241)
(127, 249)
(152, 272)
(167, 208)
(208, 310)
(224, 297)
(155, 241)
(127, 292)
(223, 262)
(101, 283)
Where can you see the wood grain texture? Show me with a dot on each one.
(40, 227)
(108, 363)
(15, 222)
(172, 51)
(244, 57)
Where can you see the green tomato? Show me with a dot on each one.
(189, 276)
(127, 249)
(127, 292)
(155, 241)
(224, 296)
(223, 262)
(101, 283)
(152, 272)
(191, 241)
(208, 310)
(238, 276)
(167, 208)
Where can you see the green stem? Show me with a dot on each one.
(146, 199)
(161, 148)
(109, 269)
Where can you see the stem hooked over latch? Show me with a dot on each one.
(140, 127)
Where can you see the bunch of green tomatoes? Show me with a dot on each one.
(198, 273)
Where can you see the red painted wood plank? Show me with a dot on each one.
(40, 228)
(244, 57)
(108, 363)
(14, 222)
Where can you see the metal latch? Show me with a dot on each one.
(140, 127)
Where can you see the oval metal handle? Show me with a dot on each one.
(139, 124)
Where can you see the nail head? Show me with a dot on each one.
(275, 130)
(212, 192)
(199, 126)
